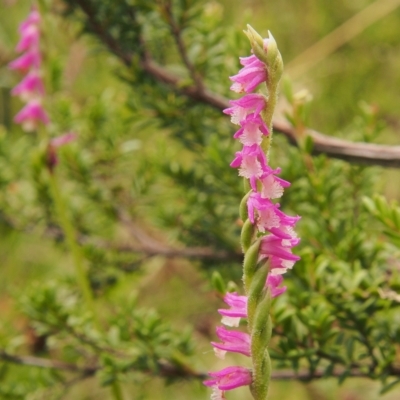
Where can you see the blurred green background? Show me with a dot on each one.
(82, 78)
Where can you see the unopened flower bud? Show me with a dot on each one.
(52, 157)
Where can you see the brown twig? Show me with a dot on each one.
(363, 153)
(305, 376)
(169, 370)
(177, 35)
(152, 247)
(46, 363)
(194, 253)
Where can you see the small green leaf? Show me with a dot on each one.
(389, 386)
(218, 283)
(369, 204)
(308, 144)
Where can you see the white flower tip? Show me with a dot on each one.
(29, 125)
(237, 87)
(277, 271)
(219, 353)
(230, 321)
(217, 394)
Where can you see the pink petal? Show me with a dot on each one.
(31, 115)
(30, 59)
(230, 378)
(31, 86)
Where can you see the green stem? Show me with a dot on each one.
(260, 337)
(254, 274)
(262, 377)
(268, 113)
(255, 293)
(116, 389)
(73, 246)
(83, 280)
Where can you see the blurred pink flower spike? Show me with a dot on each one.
(31, 116)
(52, 159)
(228, 379)
(238, 304)
(30, 87)
(234, 341)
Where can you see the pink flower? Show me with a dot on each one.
(272, 245)
(252, 130)
(251, 61)
(31, 115)
(32, 19)
(272, 186)
(29, 31)
(28, 60)
(267, 216)
(286, 224)
(251, 162)
(30, 35)
(237, 342)
(273, 281)
(30, 87)
(238, 304)
(228, 379)
(250, 103)
(278, 266)
(250, 76)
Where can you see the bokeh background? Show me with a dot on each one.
(89, 86)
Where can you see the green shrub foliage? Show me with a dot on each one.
(148, 183)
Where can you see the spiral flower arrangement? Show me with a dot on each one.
(268, 234)
(31, 88)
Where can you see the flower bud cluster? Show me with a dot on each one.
(31, 88)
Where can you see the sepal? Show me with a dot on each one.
(250, 263)
(261, 378)
(243, 206)
(218, 283)
(255, 293)
(262, 327)
(271, 48)
(246, 236)
(260, 338)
